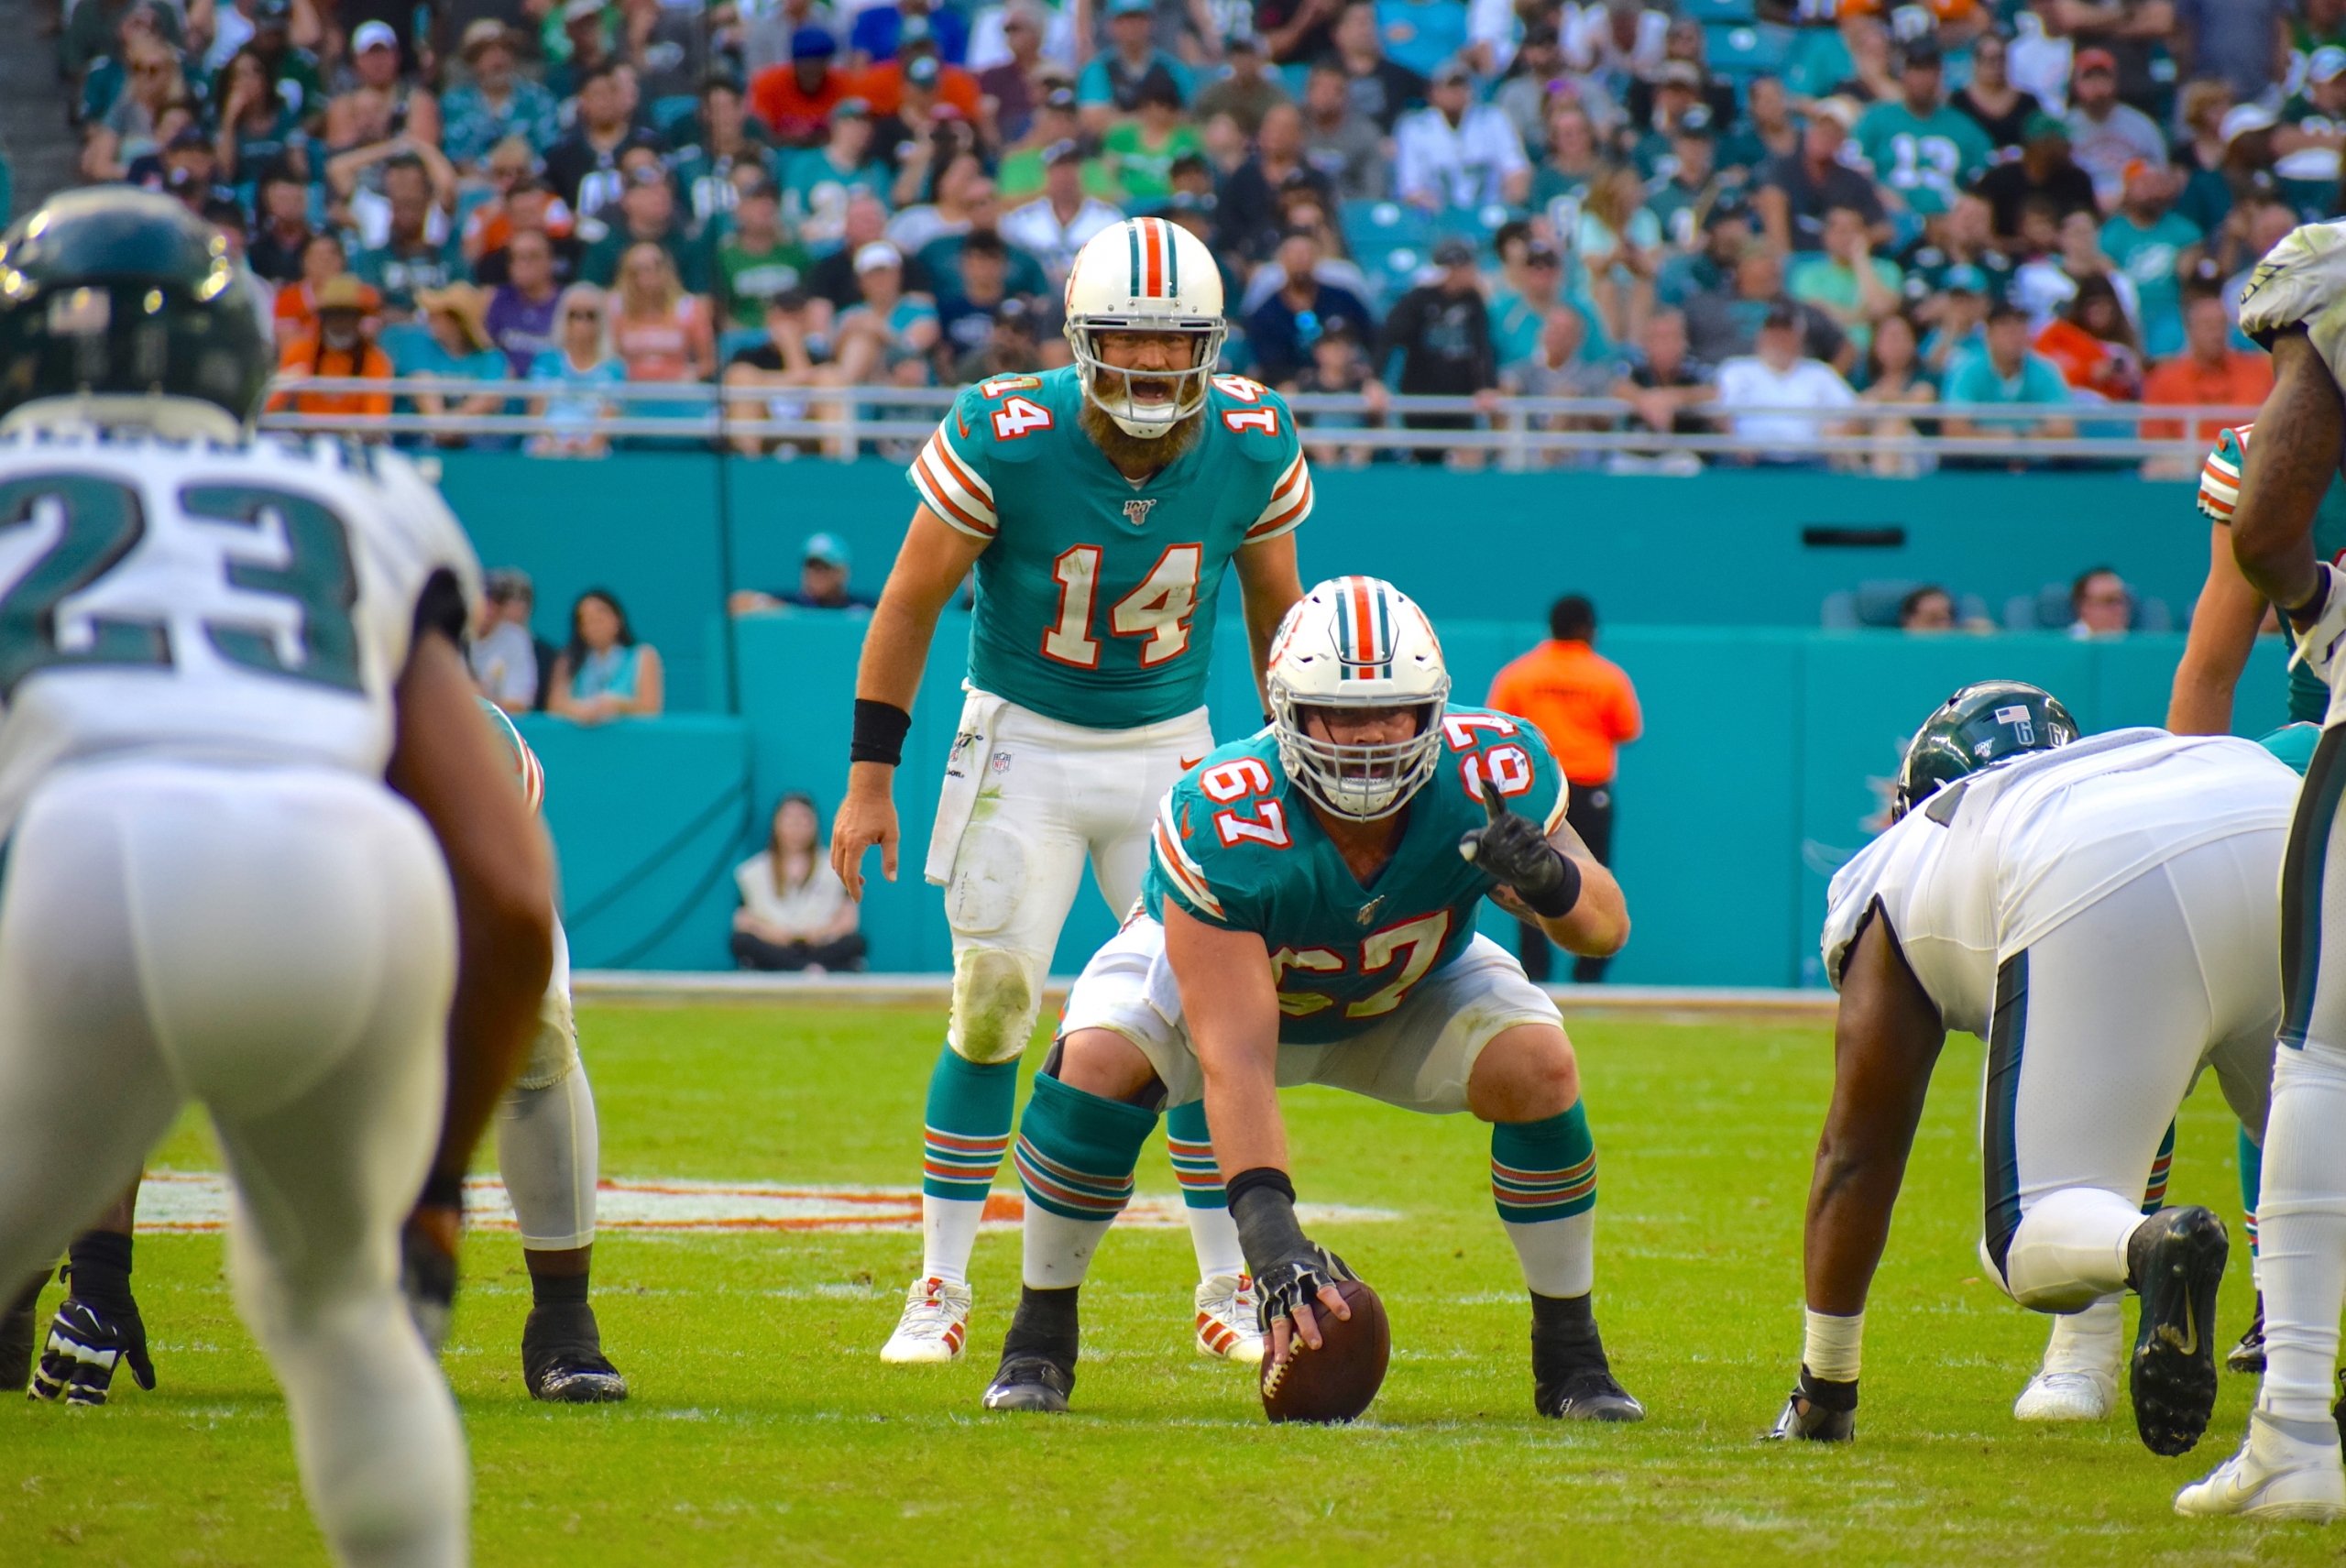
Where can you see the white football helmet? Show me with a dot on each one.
(1357, 642)
(1145, 275)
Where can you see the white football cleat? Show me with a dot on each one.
(1226, 1325)
(2067, 1396)
(2274, 1476)
(936, 1322)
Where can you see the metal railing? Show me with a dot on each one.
(1522, 433)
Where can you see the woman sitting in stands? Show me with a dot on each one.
(604, 674)
(582, 367)
(794, 914)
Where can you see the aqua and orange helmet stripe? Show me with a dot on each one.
(1157, 269)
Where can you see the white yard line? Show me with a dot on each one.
(190, 1201)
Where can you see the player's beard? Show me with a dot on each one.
(1132, 453)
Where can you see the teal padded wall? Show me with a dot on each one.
(1768, 752)
(1721, 549)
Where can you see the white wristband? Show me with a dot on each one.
(1833, 1346)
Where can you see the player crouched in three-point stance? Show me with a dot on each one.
(1099, 504)
(214, 650)
(1310, 919)
(2288, 1466)
(2099, 912)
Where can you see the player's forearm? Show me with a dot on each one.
(1598, 925)
(2288, 468)
(2223, 630)
(1270, 583)
(1243, 1105)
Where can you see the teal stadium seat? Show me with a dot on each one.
(1817, 59)
(1389, 241)
(1718, 10)
(1744, 50)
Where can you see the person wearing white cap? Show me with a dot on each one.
(889, 327)
(383, 105)
(1102, 505)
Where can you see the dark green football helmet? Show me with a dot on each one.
(1980, 726)
(121, 292)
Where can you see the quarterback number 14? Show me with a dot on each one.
(1159, 609)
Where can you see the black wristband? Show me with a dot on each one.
(1259, 1175)
(1558, 901)
(442, 1189)
(2310, 611)
(878, 732)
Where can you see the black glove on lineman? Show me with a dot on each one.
(97, 1328)
(1513, 850)
(1290, 1269)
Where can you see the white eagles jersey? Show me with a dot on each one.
(249, 604)
(1989, 864)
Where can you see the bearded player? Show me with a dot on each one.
(2100, 913)
(214, 652)
(2288, 1467)
(1310, 919)
(1099, 504)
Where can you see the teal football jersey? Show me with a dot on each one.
(1096, 597)
(1925, 158)
(1236, 846)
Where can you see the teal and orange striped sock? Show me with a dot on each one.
(1075, 1157)
(2154, 1190)
(1543, 1179)
(1213, 1236)
(964, 1134)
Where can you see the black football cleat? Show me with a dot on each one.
(1806, 1422)
(2248, 1356)
(1589, 1394)
(1030, 1383)
(2176, 1260)
(561, 1357)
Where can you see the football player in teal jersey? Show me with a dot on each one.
(1100, 505)
(1310, 917)
(2224, 626)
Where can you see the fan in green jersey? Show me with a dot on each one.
(1309, 918)
(1100, 505)
(1922, 149)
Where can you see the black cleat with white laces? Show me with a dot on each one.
(2248, 1356)
(563, 1360)
(1818, 1412)
(2176, 1260)
(1038, 1353)
(1571, 1379)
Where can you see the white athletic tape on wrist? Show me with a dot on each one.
(1833, 1346)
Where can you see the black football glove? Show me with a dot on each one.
(1513, 850)
(428, 1269)
(1290, 1269)
(86, 1342)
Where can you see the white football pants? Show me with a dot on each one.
(278, 944)
(2301, 1215)
(1052, 795)
(2099, 1031)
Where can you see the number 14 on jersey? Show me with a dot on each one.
(1158, 609)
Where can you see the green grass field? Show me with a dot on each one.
(764, 1429)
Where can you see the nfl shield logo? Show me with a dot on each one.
(1136, 513)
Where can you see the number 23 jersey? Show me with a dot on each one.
(1236, 846)
(246, 604)
(1097, 597)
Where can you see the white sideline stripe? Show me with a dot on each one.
(1692, 1002)
(193, 1201)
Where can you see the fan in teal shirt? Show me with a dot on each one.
(2150, 245)
(1924, 158)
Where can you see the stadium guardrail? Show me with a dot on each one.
(1522, 433)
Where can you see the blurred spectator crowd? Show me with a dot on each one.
(1773, 205)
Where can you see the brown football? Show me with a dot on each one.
(1336, 1382)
